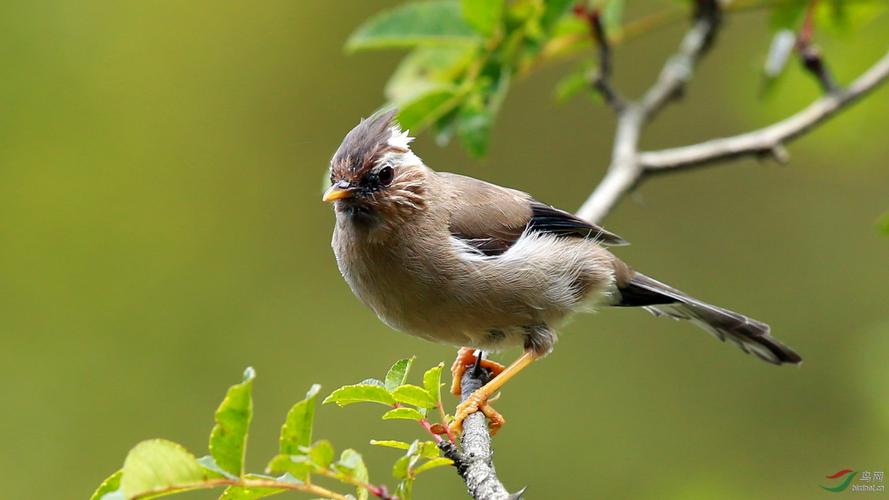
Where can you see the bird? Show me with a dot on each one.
(460, 261)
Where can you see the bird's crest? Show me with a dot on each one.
(365, 144)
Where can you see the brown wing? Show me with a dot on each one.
(488, 217)
(491, 218)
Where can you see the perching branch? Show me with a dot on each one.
(475, 461)
(629, 166)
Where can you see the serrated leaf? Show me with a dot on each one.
(228, 439)
(390, 443)
(352, 465)
(483, 15)
(397, 375)
(421, 23)
(360, 393)
(322, 453)
(373, 381)
(403, 414)
(427, 108)
(432, 382)
(297, 429)
(426, 69)
(110, 485)
(413, 395)
(433, 463)
(159, 464)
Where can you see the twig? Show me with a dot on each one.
(601, 78)
(810, 55)
(625, 170)
(772, 138)
(475, 462)
(678, 69)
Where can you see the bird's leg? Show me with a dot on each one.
(478, 400)
(465, 358)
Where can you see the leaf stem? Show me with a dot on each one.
(246, 483)
(377, 491)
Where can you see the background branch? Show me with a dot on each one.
(475, 462)
(628, 166)
(625, 170)
(771, 138)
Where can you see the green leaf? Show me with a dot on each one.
(297, 466)
(433, 463)
(432, 382)
(484, 15)
(405, 489)
(242, 493)
(553, 11)
(398, 373)
(425, 449)
(412, 24)
(413, 395)
(159, 465)
(297, 429)
(360, 393)
(612, 17)
(403, 414)
(426, 69)
(400, 445)
(228, 439)
(352, 465)
(788, 15)
(322, 453)
(110, 485)
(474, 128)
(400, 467)
(427, 108)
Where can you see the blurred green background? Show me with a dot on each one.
(161, 228)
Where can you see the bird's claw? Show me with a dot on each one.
(477, 401)
(466, 358)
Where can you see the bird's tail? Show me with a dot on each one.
(662, 300)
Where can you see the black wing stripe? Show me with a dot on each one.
(547, 219)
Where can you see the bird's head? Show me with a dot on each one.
(374, 176)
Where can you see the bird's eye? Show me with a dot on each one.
(385, 175)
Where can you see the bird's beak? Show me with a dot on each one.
(338, 191)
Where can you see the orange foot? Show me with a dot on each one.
(477, 401)
(466, 358)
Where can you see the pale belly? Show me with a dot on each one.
(489, 304)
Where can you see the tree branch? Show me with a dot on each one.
(773, 137)
(475, 461)
(625, 170)
(628, 166)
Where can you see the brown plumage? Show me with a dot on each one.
(461, 261)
